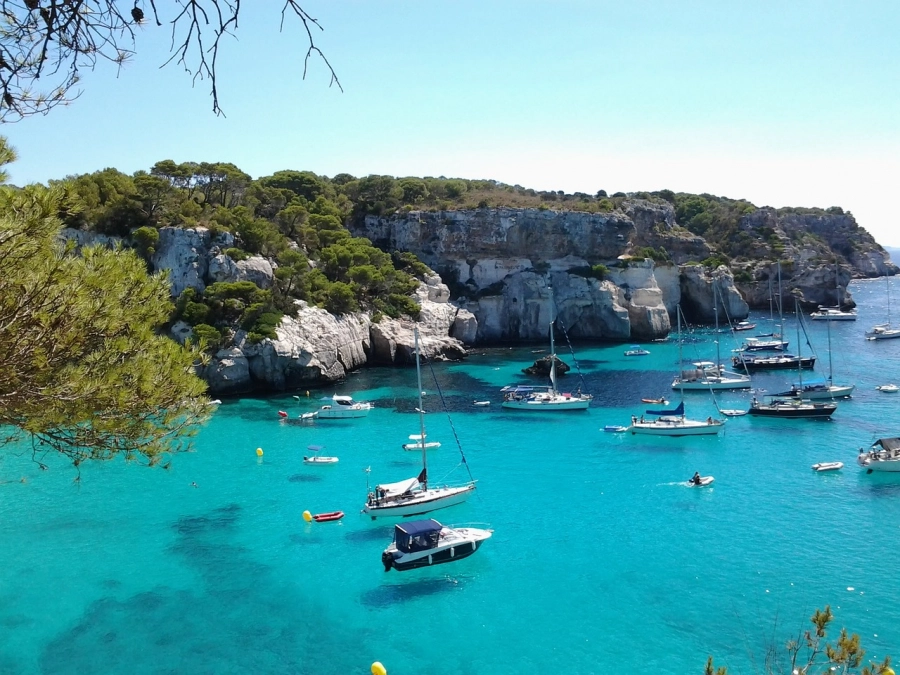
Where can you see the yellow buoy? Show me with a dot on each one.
(886, 671)
(378, 669)
(259, 452)
(307, 516)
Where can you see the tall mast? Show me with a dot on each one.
(780, 306)
(680, 358)
(716, 312)
(552, 346)
(799, 360)
(830, 365)
(888, 279)
(421, 411)
(771, 311)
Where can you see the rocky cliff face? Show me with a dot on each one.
(502, 263)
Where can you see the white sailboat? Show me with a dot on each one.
(413, 496)
(884, 331)
(708, 376)
(821, 390)
(545, 398)
(673, 422)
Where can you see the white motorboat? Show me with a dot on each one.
(421, 543)
(636, 350)
(418, 443)
(615, 428)
(343, 407)
(743, 325)
(316, 458)
(828, 466)
(883, 456)
(413, 496)
(481, 403)
(888, 388)
(732, 412)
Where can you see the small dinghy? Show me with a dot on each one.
(828, 466)
(481, 403)
(282, 414)
(316, 458)
(700, 481)
(888, 388)
(733, 412)
(325, 517)
(615, 428)
(656, 401)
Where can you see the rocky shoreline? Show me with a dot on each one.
(511, 272)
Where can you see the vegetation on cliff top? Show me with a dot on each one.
(298, 218)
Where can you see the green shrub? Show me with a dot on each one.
(236, 254)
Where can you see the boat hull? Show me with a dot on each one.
(883, 335)
(418, 504)
(447, 555)
(822, 394)
(548, 405)
(327, 413)
(711, 383)
(816, 410)
(753, 365)
(675, 429)
(880, 465)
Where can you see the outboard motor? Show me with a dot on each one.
(387, 560)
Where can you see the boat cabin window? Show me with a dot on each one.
(417, 536)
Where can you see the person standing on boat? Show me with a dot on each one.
(696, 479)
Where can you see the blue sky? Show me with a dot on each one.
(782, 103)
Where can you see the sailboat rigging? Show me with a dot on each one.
(413, 496)
(673, 422)
(419, 442)
(792, 408)
(884, 331)
(545, 398)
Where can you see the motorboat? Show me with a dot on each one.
(343, 407)
(732, 412)
(888, 388)
(790, 408)
(832, 314)
(414, 496)
(419, 443)
(420, 543)
(636, 350)
(656, 401)
(615, 428)
(316, 458)
(828, 466)
(309, 416)
(481, 403)
(700, 481)
(743, 325)
(883, 455)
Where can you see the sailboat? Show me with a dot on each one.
(834, 313)
(818, 390)
(413, 496)
(673, 422)
(791, 408)
(884, 331)
(545, 398)
(706, 375)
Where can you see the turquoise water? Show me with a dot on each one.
(601, 561)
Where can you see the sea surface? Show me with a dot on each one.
(602, 560)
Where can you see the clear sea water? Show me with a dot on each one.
(602, 560)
